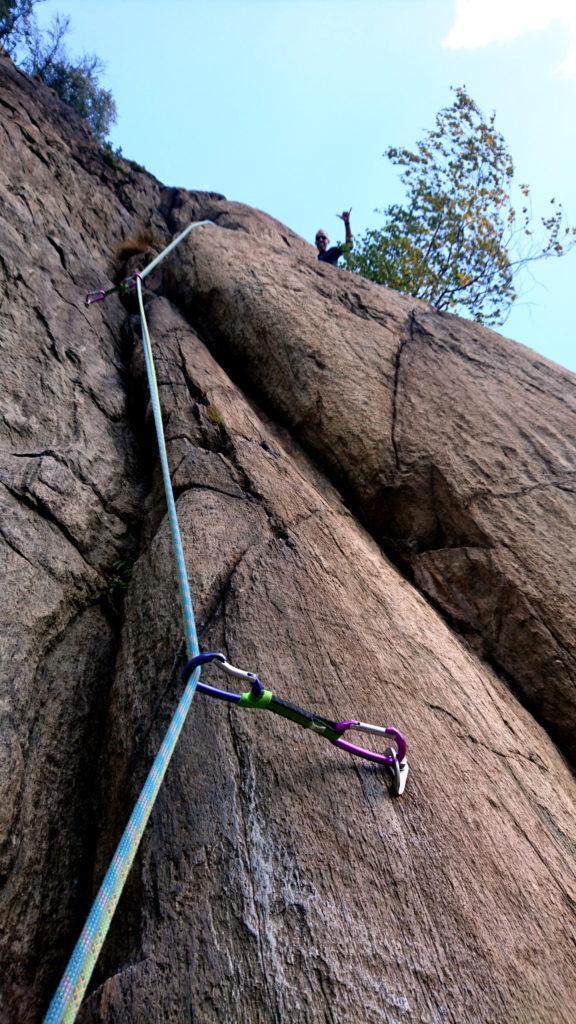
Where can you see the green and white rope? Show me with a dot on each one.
(69, 994)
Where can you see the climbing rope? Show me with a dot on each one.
(69, 994)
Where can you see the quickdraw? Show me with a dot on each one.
(101, 294)
(393, 759)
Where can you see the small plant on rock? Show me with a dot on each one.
(215, 416)
(140, 242)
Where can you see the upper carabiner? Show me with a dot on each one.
(256, 694)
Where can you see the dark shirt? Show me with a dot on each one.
(331, 255)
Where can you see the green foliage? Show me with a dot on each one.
(110, 156)
(117, 584)
(15, 18)
(77, 84)
(43, 53)
(458, 241)
(120, 575)
(75, 81)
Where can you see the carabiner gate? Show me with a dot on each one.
(256, 689)
(392, 759)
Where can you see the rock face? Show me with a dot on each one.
(377, 508)
(455, 446)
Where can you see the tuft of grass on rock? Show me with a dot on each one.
(215, 416)
(111, 156)
(140, 242)
(118, 579)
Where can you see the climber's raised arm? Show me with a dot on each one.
(345, 216)
(332, 255)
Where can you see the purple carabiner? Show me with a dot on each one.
(102, 294)
(370, 755)
(212, 691)
(98, 296)
(130, 282)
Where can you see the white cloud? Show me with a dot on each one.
(480, 23)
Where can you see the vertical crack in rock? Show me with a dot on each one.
(255, 867)
(407, 336)
(459, 468)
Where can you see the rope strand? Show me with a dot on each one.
(69, 994)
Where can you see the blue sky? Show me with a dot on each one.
(288, 105)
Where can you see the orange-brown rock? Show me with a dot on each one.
(455, 446)
(316, 426)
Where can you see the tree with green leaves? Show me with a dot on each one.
(15, 18)
(458, 241)
(75, 81)
(77, 84)
(43, 52)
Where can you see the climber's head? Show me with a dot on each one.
(321, 240)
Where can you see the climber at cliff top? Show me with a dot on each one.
(333, 255)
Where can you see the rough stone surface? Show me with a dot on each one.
(456, 447)
(316, 425)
